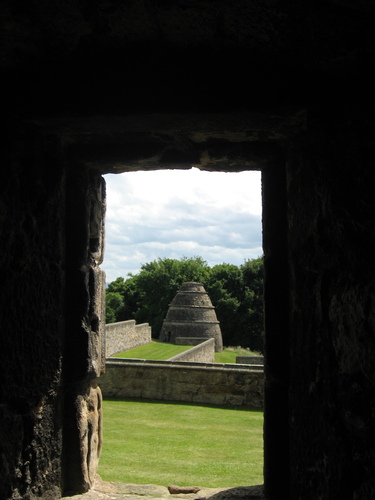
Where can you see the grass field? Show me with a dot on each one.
(154, 350)
(163, 351)
(173, 443)
(229, 354)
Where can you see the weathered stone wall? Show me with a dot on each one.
(125, 335)
(84, 339)
(199, 328)
(201, 353)
(65, 120)
(32, 261)
(190, 382)
(197, 313)
(332, 308)
(250, 360)
(189, 340)
(51, 310)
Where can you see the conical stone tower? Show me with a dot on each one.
(191, 314)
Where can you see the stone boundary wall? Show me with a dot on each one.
(208, 383)
(250, 360)
(190, 340)
(201, 353)
(126, 335)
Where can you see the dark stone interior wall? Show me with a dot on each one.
(276, 327)
(52, 317)
(62, 63)
(169, 56)
(331, 210)
(84, 348)
(32, 262)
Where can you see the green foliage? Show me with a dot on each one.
(236, 292)
(114, 302)
(117, 286)
(131, 295)
(184, 444)
(252, 304)
(159, 282)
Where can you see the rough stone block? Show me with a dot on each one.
(89, 415)
(97, 322)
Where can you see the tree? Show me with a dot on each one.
(158, 283)
(236, 292)
(225, 289)
(252, 305)
(117, 286)
(128, 307)
(114, 302)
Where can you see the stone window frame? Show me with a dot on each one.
(274, 223)
(222, 143)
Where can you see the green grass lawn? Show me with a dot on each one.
(175, 443)
(154, 350)
(163, 351)
(229, 354)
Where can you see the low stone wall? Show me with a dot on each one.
(250, 360)
(209, 383)
(189, 340)
(201, 353)
(126, 335)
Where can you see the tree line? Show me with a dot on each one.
(235, 291)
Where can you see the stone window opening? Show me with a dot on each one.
(267, 157)
(274, 247)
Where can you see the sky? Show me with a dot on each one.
(181, 213)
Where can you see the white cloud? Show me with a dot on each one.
(176, 213)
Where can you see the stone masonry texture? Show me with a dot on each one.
(182, 381)
(104, 87)
(126, 335)
(191, 314)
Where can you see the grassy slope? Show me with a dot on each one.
(154, 350)
(162, 351)
(168, 443)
